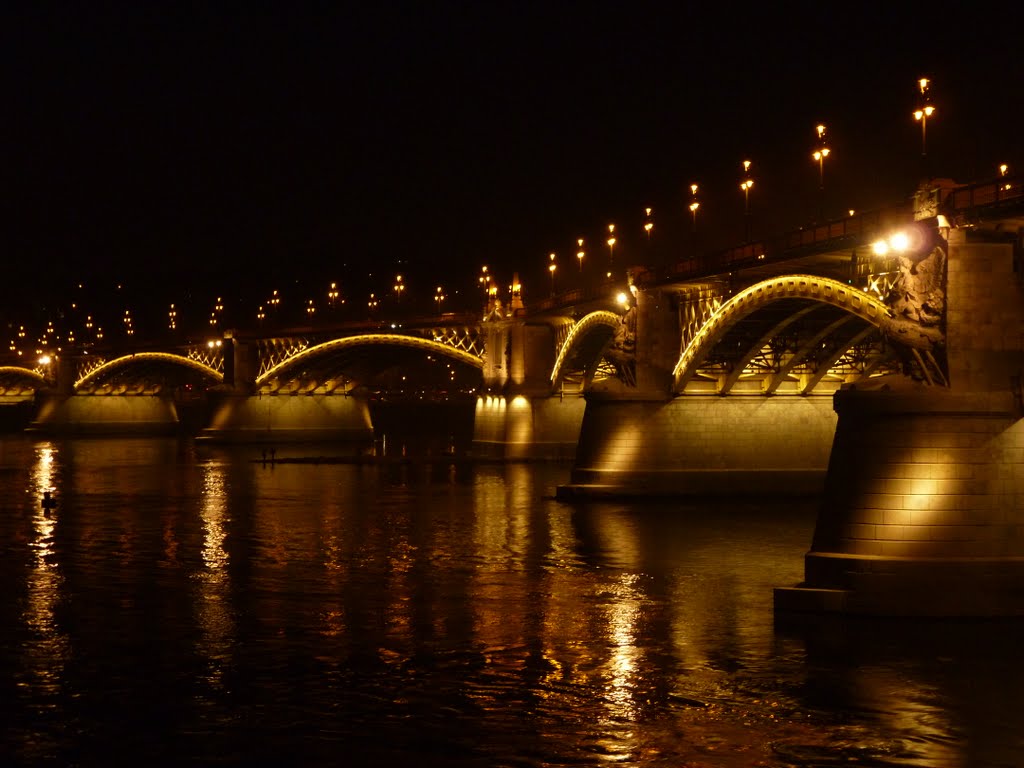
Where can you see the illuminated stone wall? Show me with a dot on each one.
(985, 316)
(922, 511)
(290, 417)
(106, 414)
(521, 428)
(705, 445)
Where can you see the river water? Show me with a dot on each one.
(190, 605)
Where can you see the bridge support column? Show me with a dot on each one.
(289, 418)
(519, 427)
(701, 445)
(923, 509)
(241, 364)
(519, 419)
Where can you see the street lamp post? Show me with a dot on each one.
(648, 225)
(922, 114)
(694, 205)
(819, 156)
(580, 253)
(745, 185)
(551, 268)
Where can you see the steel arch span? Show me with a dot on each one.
(18, 372)
(579, 331)
(367, 340)
(818, 290)
(107, 367)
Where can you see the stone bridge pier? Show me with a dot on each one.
(640, 439)
(518, 415)
(923, 508)
(242, 413)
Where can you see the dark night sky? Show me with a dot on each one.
(192, 142)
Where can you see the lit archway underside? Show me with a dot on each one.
(818, 289)
(22, 373)
(143, 357)
(371, 339)
(599, 319)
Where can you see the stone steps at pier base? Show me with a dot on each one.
(967, 587)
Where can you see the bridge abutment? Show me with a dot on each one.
(239, 418)
(702, 446)
(104, 415)
(519, 418)
(923, 509)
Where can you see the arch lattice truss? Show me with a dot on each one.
(15, 380)
(795, 330)
(96, 373)
(606, 321)
(300, 357)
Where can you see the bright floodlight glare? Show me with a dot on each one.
(622, 298)
(880, 248)
(899, 241)
(44, 360)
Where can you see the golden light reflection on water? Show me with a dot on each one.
(49, 649)
(215, 618)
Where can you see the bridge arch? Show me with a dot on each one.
(97, 373)
(601, 321)
(16, 373)
(817, 291)
(366, 340)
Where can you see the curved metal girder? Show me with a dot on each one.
(372, 339)
(776, 379)
(824, 366)
(759, 344)
(164, 357)
(598, 319)
(809, 287)
(27, 373)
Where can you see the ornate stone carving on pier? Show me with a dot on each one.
(917, 302)
(621, 351)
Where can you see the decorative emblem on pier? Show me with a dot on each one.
(621, 351)
(917, 303)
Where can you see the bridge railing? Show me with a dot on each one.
(846, 231)
(597, 292)
(985, 193)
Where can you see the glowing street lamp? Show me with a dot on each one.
(438, 298)
(580, 253)
(694, 205)
(399, 288)
(745, 186)
(819, 156)
(648, 225)
(551, 268)
(922, 114)
(1004, 169)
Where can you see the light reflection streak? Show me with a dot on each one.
(623, 614)
(216, 623)
(49, 648)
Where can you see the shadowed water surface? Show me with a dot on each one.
(184, 606)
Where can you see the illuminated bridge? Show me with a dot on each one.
(876, 360)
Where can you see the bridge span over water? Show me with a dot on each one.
(875, 360)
